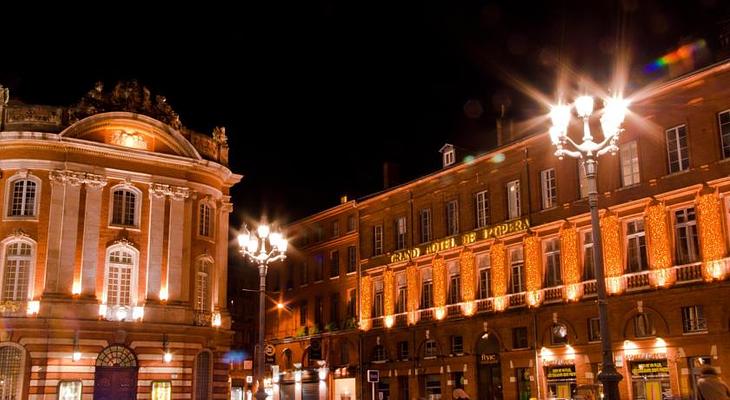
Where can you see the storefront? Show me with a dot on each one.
(561, 381)
(432, 386)
(650, 379)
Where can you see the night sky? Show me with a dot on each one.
(315, 96)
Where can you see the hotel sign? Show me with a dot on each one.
(566, 373)
(650, 368)
(489, 359)
(489, 232)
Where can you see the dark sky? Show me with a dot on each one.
(316, 95)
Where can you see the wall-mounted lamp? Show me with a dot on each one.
(216, 320)
(167, 356)
(76, 356)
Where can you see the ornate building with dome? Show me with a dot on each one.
(113, 250)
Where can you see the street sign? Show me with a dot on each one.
(373, 375)
(269, 352)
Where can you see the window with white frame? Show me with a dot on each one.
(723, 119)
(687, 246)
(482, 208)
(430, 348)
(449, 157)
(513, 200)
(549, 188)
(454, 282)
(485, 275)
(203, 375)
(582, 181)
(202, 285)
(517, 262)
(378, 240)
(426, 288)
(589, 271)
(636, 258)
(400, 233)
(401, 300)
(677, 149)
(378, 298)
(425, 225)
(629, 164)
(551, 250)
(22, 197)
(12, 370)
(452, 217)
(124, 207)
(121, 270)
(204, 220)
(17, 270)
(693, 319)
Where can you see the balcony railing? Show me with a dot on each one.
(632, 282)
(202, 318)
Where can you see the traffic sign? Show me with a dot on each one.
(373, 375)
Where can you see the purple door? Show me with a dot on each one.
(115, 383)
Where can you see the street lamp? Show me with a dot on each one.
(588, 151)
(254, 247)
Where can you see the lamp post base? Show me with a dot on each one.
(610, 378)
(260, 394)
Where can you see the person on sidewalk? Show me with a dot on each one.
(711, 387)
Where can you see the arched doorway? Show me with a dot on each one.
(490, 369)
(116, 374)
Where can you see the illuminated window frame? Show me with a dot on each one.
(4, 245)
(9, 192)
(137, 206)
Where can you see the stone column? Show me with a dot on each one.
(175, 241)
(55, 220)
(70, 229)
(92, 223)
(221, 260)
(156, 237)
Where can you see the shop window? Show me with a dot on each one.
(433, 386)
(650, 379)
(561, 381)
(519, 337)
(524, 389)
(457, 379)
(68, 390)
(383, 389)
(161, 390)
(559, 334)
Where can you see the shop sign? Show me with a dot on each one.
(649, 368)
(493, 231)
(562, 373)
(489, 359)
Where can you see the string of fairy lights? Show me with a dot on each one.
(657, 227)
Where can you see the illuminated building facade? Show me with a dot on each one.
(480, 276)
(113, 250)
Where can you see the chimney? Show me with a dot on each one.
(390, 174)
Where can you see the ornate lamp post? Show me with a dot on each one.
(254, 247)
(588, 151)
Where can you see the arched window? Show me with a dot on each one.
(202, 285)
(22, 197)
(120, 280)
(125, 206)
(17, 270)
(12, 358)
(203, 375)
(204, 220)
(116, 356)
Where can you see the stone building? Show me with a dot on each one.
(113, 250)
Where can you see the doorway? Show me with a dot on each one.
(490, 368)
(115, 375)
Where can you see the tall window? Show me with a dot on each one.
(687, 247)
(351, 259)
(202, 291)
(551, 248)
(378, 305)
(335, 308)
(350, 223)
(203, 375)
(482, 208)
(69, 390)
(22, 198)
(289, 276)
(335, 229)
(589, 271)
(401, 300)
(517, 262)
(452, 217)
(483, 263)
(11, 372)
(318, 267)
(303, 311)
(636, 259)
(344, 352)
(121, 265)
(582, 181)
(378, 240)
(677, 149)
(629, 164)
(351, 302)
(400, 233)
(426, 288)
(124, 207)
(549, 188)
(693, 319)
(594, 329)
(304, 274)
(162, 390)
(643, 325)
(334, 264)
(17, 271)
(204, 220)
(454, 283)
(425, 225)
(318, 311)
(724, 120)
(513, 200)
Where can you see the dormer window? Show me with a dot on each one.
(449, 154)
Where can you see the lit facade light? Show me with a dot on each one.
(76, 356)
(34, 306)
(468, 308)
(298, 376)
(121, 313)
(163, 294)
(280, 306)
(102, 310)
(263, 231)
(560, 116)
(76, 288)
(167, 354)
(584, 106)
(138, 313)
(216, 320)
(323, 373)
(440, 313)
(167, 357)
(389, 321)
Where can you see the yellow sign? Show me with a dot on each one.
(494, 231)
